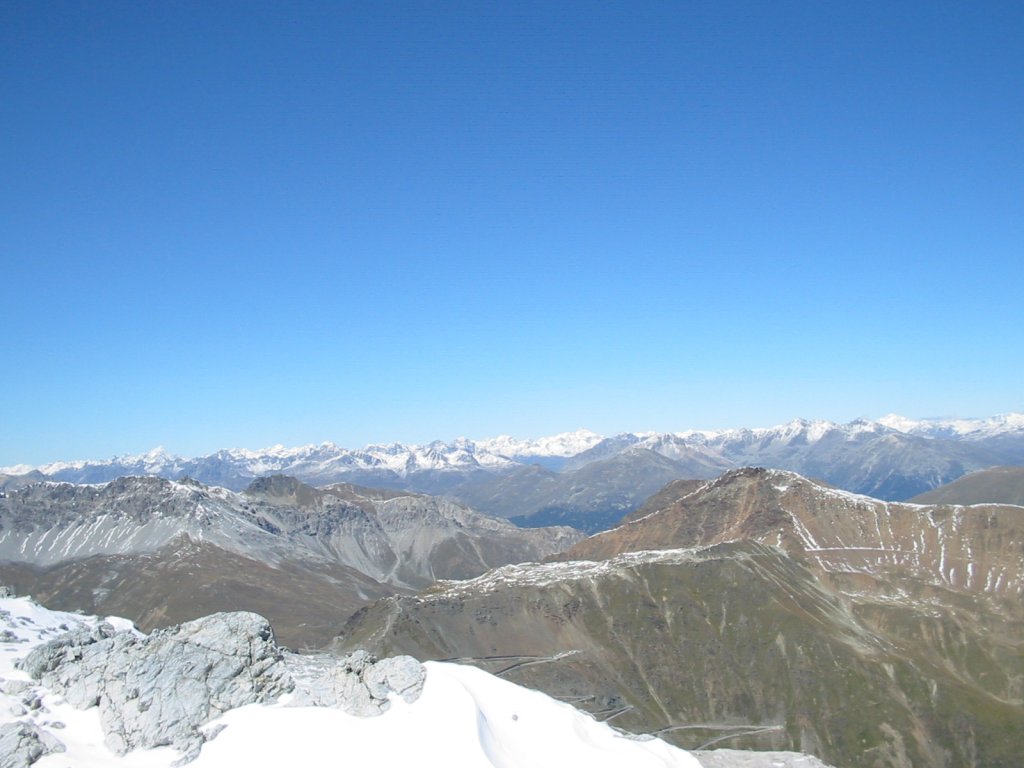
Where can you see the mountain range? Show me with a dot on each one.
(757, 609)
(161, 551)
(590, 482)
(716, 604)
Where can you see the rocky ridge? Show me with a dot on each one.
(164, 688)
(162, 551)
(974, 549)
(401, 539)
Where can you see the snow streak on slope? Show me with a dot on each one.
(465, 717)
(404, 540)
(964, 547)
(545, 574)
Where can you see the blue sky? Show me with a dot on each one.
(238, 224)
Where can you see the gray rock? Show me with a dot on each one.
(67, 647)
(400, 674)
(158, 690)
(14, 687)
(7, 591)
(161, 689)
(356, 683)
(21, 744)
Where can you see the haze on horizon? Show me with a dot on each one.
(237, 225)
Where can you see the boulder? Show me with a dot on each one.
(21, 744)
(161, 689)
(357, 683)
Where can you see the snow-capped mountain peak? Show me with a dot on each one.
(439, 466)
(958, 429)
(562, 445)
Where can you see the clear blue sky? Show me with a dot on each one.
(237, 224)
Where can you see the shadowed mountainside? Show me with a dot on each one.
(999, 485)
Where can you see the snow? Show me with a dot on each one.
(505, 452)
(17, 469)
(465, 718)
(565, 444)
(899, 423)
(962, 429)
(543, 574)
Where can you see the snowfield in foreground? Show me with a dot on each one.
(464, 718)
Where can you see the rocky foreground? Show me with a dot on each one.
(217, 691)
(161, 690)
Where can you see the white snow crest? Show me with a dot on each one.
(502, 452)
(962, 429)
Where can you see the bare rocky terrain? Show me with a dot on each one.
(761, 610)
(160, 552)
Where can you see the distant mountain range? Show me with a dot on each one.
(590, 481)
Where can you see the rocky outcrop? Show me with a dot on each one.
(158, 690)
(21, 744)
(161, 689)
(356, 683)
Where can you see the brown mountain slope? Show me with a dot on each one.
(792, 616)
(977, 549)
(738, 642)
(999, 485)
(671, 493)
(188, 579)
